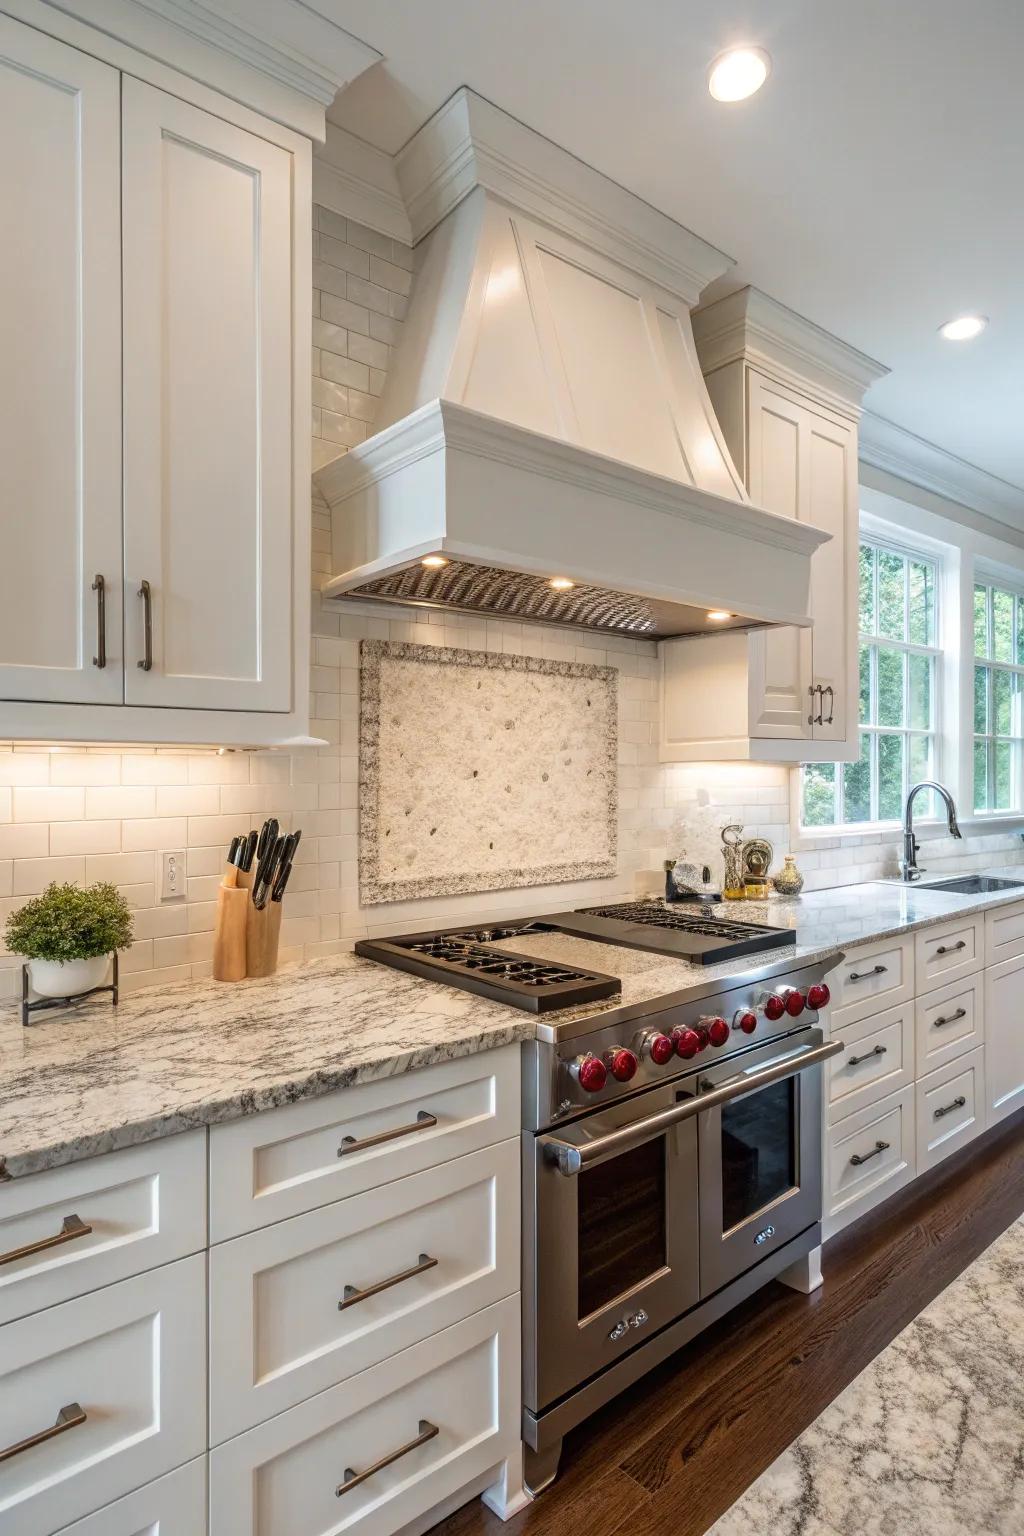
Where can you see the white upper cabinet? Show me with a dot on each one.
(787, 396)
(60, 375)
(207, 409)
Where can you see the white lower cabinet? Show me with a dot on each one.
(174, 1505)
(950, 1108)
(878, 1060)
(383, 1448)
(870, 1155)
(108, 1391)
(1004, 1037)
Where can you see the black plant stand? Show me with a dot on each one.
(46, 1003)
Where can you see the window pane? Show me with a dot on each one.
(980, 621)
(921, 768)
(819, 807)
(922, 603)
(1004, 776)
(890, 778)
(920, 692)
(867, 590)
(1002, 701)
(865, 684)
(981, 700)
(1020, 631)
(1002, 626)
(890, 686)
(981, 775)
(857, 784)
(891, 595)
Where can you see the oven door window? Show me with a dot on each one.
(622, 1229)
(759, 1151)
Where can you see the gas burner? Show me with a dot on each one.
(653, 915)
(463, 959)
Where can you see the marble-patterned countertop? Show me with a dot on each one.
(75, 1085)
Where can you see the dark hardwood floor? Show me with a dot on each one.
(670, 1455)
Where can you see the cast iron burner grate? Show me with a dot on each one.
(653, 915)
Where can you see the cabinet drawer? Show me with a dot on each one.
(1004, 1038)
(290, 1160)
(129, 1358)
(878, 1061)
(949, 1023)
(282, 1478)
(871, 1154)
(950, 1108)
(870, 979)
(1004, 933)
(174, 1505)
(278, 1333)
(949, 952)
(111, 1216)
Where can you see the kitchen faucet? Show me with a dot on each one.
(908, 863)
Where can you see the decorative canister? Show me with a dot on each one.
(732, 843)
(789, 881)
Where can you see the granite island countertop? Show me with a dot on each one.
(75, 1085)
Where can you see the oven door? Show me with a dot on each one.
(760, 1157)
(610, 1250)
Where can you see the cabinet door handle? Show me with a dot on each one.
(855, 1061)
(99, 586)
(812, 718)
(865, 1157)
(423, 1122)
(949, 1018)
(72, 1228)
(947, 1109)
(951, 949)
(70, 1415)
(353, 1479)
(354, 1294)
(877, 970)
(146, 593)
(831, 704)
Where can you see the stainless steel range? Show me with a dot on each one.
(671, 1147)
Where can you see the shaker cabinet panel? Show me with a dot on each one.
(207, 409)
(60, 378)
(1004, 1037)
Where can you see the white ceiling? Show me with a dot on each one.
(875, 184)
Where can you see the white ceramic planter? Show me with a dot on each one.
(66, 978)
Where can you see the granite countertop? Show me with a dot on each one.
(199, 1053)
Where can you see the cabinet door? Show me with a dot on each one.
(830, 455)
(207, 408)
(1004, 1038)
(60, 378)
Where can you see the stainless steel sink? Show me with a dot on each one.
(971, 885)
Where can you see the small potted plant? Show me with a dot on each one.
(68, 934)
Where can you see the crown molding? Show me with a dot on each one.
(471, 143)
(356, 180)
(751, 326)
(901, 453)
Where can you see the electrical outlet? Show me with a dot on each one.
(172, 874)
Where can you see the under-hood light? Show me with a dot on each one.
(434, 562)
(718, 616)
(561, 583)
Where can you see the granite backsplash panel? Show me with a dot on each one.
(481, 771)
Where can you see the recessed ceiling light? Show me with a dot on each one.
(964, 327)
(718, 615)
(433, 562)
(561, 583)
(738, 73)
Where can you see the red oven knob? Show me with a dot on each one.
(795, 1003)
(622, 1064)
(746, 1021)
(660, 1048)
(718, 1031)
(818, 996)
(774, 1007)
(590, 1072)
(688, 1043)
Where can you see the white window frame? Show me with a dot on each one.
(991, 581)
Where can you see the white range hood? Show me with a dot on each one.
(545, 414)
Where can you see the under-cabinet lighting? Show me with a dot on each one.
(738, 73)
(718, 616)
(561, 583)
(433, 562)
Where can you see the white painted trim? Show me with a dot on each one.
(471, 143)
(748, 325)
(358, 181)
(896, 451)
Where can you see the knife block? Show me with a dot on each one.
(229, 960)
(262, 937)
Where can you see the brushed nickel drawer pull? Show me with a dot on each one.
(876, 970)
(353, 1479)
(865, 1157)
(146, 593)
(354, 1294)
(99, 586)
(73, 1227)
(423, 1122)
(951, 949)
(70, 1415)
(947, 1109)
(855, 1061)
(949, 1018)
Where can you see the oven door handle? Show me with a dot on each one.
(570, 1159)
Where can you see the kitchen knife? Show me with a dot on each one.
(233, 849)
(284, 867)
(261, 888)
(249, 852)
